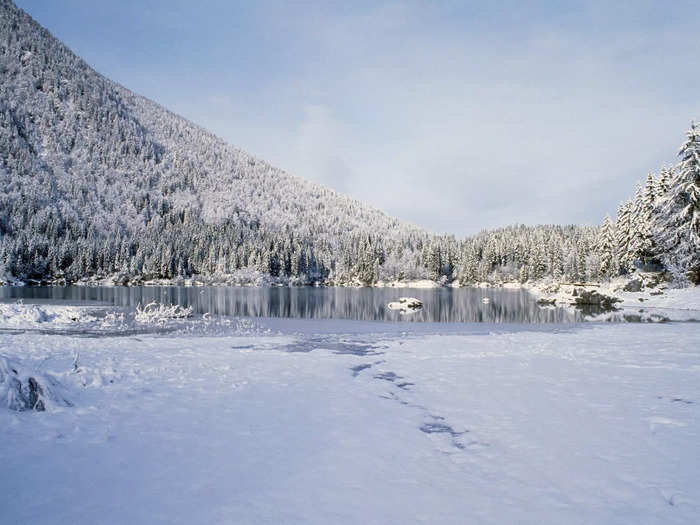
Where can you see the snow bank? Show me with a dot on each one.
(419, 283)
(104, 321)
(24, 389)
(18, 315)
(241, 277)
(655, 299)
(672, 298)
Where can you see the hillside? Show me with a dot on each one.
(86, 161)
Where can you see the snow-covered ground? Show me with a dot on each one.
(19, 315)
(417, 283)
(671, 298)
(662, 301)
(294, 421)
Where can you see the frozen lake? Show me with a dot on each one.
(336, 421)
(490, 305)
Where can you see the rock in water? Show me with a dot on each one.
(593, 298)
(406, 305)
(635, 285)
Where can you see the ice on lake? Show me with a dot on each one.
(367, 304)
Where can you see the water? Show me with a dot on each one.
(369, 304)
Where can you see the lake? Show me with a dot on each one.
(454, 305)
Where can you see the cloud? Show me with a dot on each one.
(321, 144)
(460, 132)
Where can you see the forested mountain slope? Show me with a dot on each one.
(91, 170)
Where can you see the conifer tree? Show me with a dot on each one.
(623, 236)
(681, 212)
(649, 197)
(640, 246)
(662, 183)
(606, 248)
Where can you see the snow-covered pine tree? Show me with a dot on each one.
(606, 248)
(623, 236)
(680, 221)
(662, 183)
(641, 242)
(649, 196)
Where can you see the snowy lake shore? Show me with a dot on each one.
(660, 300)
(307, 421)
(652, 300)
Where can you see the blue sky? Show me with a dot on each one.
(456, 116)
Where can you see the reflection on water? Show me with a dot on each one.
(439, 304)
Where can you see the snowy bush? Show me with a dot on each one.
(22, 389)
(112, 319)
(21, 314)
(159, 313)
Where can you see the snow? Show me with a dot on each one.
(419, 283)
(672, 298)
(301, 421)
(18, 315)
(675, 304)
(406, 305)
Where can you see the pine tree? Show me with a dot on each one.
(606, 248)
(681, 212)
(623, 236)
(640, 246)
(662, 183)
(649, 196)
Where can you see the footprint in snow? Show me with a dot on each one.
(439, 426)
(681, 400)
(388, 376)
(359, 368)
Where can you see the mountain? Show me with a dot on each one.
(94, 171)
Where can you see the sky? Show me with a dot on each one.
(456, 116)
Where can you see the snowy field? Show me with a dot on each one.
(293, 421)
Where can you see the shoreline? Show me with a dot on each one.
(642, 291)
(547, 289)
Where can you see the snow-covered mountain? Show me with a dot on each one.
(86, 163)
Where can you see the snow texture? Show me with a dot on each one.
(304, 421)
